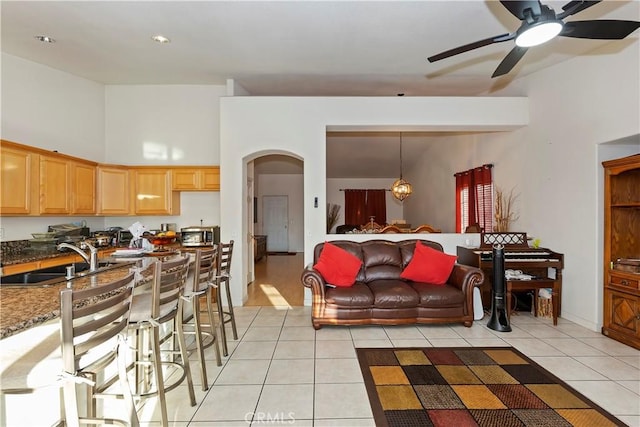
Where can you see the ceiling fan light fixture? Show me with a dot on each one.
(538, 33)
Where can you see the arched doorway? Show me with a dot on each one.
(274, 214)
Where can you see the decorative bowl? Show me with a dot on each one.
(160, 240)
(42, 236)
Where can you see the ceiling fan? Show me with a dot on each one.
(540, 24)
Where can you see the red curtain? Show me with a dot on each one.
(360, 205)
(474, 201)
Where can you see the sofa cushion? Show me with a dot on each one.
(393, 294)
(382, 260)
(357, 296)
(437, 296)
(429, 265)
(337, 266)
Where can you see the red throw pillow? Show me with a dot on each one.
(337, 266)
(429, 265)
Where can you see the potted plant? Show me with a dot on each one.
(503, 210)
(333, 213)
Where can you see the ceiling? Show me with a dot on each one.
(292, 48)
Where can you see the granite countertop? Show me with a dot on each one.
(30, 255)
(26, 306)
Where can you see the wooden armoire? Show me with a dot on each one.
(621, 320)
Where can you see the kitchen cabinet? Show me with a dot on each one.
(621, 318)
(83, 188)
(55, 185)
(113, 190)
(17, 169)
(66, 186)
(41, 182)
(195, 179)
(153, 194)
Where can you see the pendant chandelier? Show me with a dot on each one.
(401, 189)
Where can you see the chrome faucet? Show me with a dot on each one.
(92, 259)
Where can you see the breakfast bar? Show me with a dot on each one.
(26, 306)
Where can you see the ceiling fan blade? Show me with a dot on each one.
(517, 8)
(574, 7)
(471, 46)
(510, 61)
(605, 29)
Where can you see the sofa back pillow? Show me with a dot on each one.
(382, 260)
(337, 266)
(429, 265)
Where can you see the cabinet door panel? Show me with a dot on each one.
(15, 168)
(84, 189)
(185, 179)
(113, 191)
(211, 179)
(624, 309)
(55, 182)
(153, 194)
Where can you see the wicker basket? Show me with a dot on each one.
(545, 308)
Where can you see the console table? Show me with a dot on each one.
(259, 248)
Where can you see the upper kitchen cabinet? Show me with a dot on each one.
(114, 190)
(83, 188)
(67, 186)
(55, 185)
(18, 175)
(153, 193)
(195, 179)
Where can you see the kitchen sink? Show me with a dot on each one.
(50, 274)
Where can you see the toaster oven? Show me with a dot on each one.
(200, 236)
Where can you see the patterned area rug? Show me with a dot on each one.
(470, 386)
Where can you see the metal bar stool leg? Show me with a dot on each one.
(214, 327)
(232, 317)
(225, 252)
(223, 331)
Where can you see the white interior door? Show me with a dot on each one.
(276, 222)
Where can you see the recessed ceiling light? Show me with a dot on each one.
(45, 39)
(160, 39)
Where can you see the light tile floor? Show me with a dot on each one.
(282, 372)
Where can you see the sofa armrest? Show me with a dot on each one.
(465, 278)
(311, 278)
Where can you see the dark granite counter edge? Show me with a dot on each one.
(24, 307)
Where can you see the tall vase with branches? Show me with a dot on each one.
(333, 213)
(504, 209)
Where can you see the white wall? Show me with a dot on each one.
(157, 125)
(52, 110)
(444, 155)
(335, 196)
(166, 125)
(576, 106)
(298, 126)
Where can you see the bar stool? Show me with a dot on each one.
(92, 333)
(225, 251)
(162, 305)
(198, 288)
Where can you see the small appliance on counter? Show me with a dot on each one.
(100, 239)
(120, 236)
(200, 235)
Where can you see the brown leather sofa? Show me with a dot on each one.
(380, 296)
